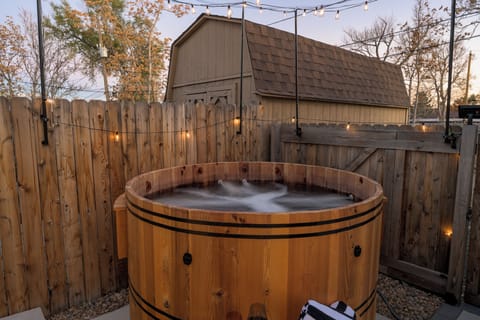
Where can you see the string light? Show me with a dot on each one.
(187, 134)
(304, 12)
(193, 9)
(315, 12)
(337, 15)
(117, 136)
(207, 11)
(261, 10)
(236, 121)
(284, 13)
(322, 11)
(365, 6)
(229, 12)
(293, 119)
(169, 5)
(348, 126)
(244, 4)
(258, 3)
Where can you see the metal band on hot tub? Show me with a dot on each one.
(378, 207)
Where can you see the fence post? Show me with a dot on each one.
(463, 196)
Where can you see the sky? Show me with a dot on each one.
(326, 29)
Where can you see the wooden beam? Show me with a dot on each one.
(463, 196)
(422, 277)
(275, 143)
(358, 161)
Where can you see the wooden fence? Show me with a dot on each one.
(428, 185)
(56, 224)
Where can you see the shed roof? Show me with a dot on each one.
(326, 73)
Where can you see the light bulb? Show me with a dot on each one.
(348, 126)
(193, 9)
(229, 12)
(315, 12)
(207, 11)
(365, 6)
(261, 10)
(322, 10)
(304, 12)
(337, 15)
(169, 5)
(293, 119)
(117, 136)
(284, 13)
(258, 3)
(245, 4)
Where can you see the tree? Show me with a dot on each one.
(135, 60)
(11, 53)
(376, 41)
(60, 64)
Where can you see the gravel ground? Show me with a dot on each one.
(105, 304)
(407, 302)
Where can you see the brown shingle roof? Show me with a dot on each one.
(326, 73)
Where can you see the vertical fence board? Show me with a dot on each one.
(211, 134)
(32, 221)
(13, 264)
(103, 201)
(156, 136)
(144, 148)
(116, 172)
(180, 135)
(168, 117)
(3, 288)
(192, 140)
(67, 172)
(201, 132)
(472, 293)
(52, 216)
(462, 204)
(86, 196)
(129, 140)
(393, 185)
(220, 110)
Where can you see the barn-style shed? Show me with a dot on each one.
(334, 85)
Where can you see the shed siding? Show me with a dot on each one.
(208, 62)
(320, 112)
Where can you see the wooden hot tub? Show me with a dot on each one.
(198, 264)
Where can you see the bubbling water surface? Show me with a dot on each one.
(253, 196)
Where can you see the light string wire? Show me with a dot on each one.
(312, 121)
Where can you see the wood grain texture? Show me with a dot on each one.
(86, 196)
(14, 277)
(52, 216)
(26, 143)
(236, 259)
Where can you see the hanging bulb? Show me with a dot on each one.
(229, 12)
(117, 136)
(365, 6)
(261, 10)
(207, 11)
(315, 12)
(348, 126)
(193, 9)
(258, 3)
(304, 12)
(244, 4)
(337, 15)
(169, 5)
(284, 13)
(322, 10)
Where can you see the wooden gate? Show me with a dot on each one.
(426, 181)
